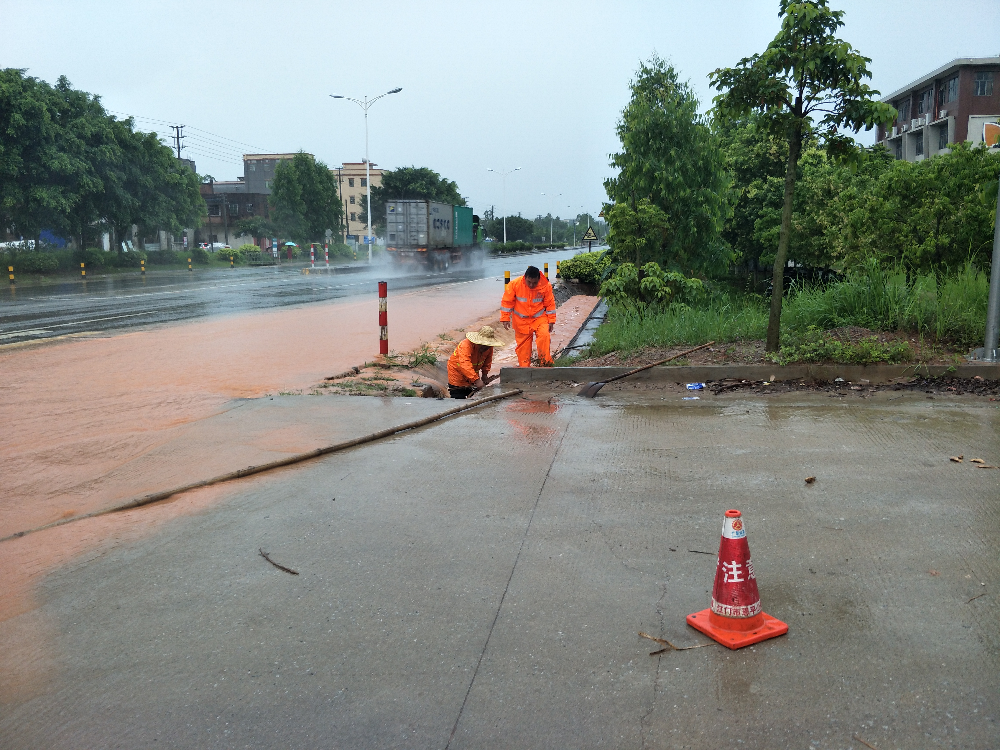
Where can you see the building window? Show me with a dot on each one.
(899, 149)
(215, 210)
(234, 209)
(253, 166)
(942, 138)
(983, 85)
(904, 111)
(924, 102)
(267, 184)
(364, 182)
(249, 208)
(949, 92)
(350, 182)
(918, 144)
(353, 216)
(352, 200)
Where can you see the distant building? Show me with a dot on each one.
(228, 203)
(258, 170)
(949, 105)
(353, 189)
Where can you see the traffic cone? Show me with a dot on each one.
(735, 618)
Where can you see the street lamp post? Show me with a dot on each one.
(552, 203)
(504, 180)
(365, 104)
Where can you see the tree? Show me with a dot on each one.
(409, 183)
(65, 164)
(36, 180)
(805, 72)
(304, 199)
(671, 158)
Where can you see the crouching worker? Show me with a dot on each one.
(530, 301)
(470, 363)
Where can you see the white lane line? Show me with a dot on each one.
(79, 322)
(31, 332)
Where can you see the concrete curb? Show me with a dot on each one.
(529, 376)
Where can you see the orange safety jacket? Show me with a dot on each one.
(528, 304)
(464, 366)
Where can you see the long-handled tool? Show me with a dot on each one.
(590, 389)
(489, 379)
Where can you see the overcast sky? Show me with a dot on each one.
(536, 85)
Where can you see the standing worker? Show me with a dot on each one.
(470, 363)
(529, 299)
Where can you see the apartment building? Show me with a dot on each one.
(957, 102)
(258, 170)
(353, 185)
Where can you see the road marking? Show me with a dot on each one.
(77, 323)
(30, 332)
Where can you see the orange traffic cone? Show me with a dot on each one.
(735, 618)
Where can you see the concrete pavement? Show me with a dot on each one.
(481, 583)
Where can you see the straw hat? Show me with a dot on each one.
(485, 336)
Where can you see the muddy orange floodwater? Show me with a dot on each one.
(77, 409)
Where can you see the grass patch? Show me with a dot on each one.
(947, 309)
(816, 346)
(720, 319)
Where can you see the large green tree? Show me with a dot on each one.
(67, 165)
(304, 200)
(807, 83)
(670, 158)
(409, 183)
(37, 178)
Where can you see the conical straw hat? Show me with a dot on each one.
(485, 336)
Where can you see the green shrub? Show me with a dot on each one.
(341, 250)
(589, 268)
(164, 258)
(656, 287)
(200, 255)
(34, 262)
(130, 260)
(814, 345)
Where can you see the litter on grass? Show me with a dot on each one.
(696, 386)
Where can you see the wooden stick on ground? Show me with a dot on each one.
(279, 566)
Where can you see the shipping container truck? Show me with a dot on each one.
(434, 234)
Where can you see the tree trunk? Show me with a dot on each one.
(778, 278)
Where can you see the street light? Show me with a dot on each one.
(552, 203)
(365, 104)
(504, 176)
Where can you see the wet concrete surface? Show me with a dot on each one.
(128, 301)
(481, 583)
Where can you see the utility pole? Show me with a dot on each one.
(178, 137)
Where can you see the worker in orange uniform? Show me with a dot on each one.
(470, 363)
(530, 301)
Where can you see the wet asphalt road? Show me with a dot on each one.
(122, 302)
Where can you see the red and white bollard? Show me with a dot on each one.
(383, 318)
(312, 255)
(326, 253)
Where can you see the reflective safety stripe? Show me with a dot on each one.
(506, 309)
(536, 300)
(521, 299)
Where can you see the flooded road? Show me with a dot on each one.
(123, 302)
(78, 410)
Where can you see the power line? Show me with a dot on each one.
(178, 137)
(192, 127)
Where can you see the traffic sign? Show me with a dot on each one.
(590, 236)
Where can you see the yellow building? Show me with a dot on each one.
(353, 186)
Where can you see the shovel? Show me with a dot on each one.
(590, 389)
